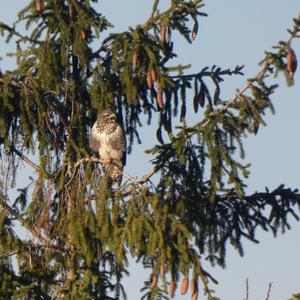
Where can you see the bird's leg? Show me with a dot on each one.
(106, 161)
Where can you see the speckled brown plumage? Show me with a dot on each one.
(108, 139)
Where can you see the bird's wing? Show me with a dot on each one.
(94, 140)
(118, 142)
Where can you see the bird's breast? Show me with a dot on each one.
(105, 148)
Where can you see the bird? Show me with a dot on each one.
(107, 138)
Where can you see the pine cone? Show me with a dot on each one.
(172, 288)
(291, 62)
(184, 285)
(195, 30)
(39, 6)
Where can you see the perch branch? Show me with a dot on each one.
(133, 180)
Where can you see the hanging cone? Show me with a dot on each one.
(163, 31)
(291, 62)
(196, 103)
(184, 285)
(159, 99)
(83, 34)
(201, 96)
(159, 95)
(134, 59)
(149, 80)
(182, 111)
(172, 288)
(195, 30)
(153, 74)
(255, 127)
(194, 286)
(195, 296)
(162, 270)
(39, 6)
(153, 281)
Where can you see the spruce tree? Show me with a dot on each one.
(189, 206)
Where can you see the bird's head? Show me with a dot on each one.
(107, 115)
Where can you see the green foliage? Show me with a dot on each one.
(83, 229)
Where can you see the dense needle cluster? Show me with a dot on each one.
(82, 230)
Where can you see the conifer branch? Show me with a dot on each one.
(182, 8)
(35, 233)
(155, 19)
(12, 31)
(28, 161)
(56, 108)
(214, 72)
(238, 95)
(55, 91)
(24, 158)
(204, 279)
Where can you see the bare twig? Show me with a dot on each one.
(146, 177)
(269, 291)
(247, 289)
(87, 159)
(133, 180)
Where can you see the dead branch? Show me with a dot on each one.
(269, 291)
(146, 177)
(247, 289)
(134, 181)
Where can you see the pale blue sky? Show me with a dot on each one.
(235, 32)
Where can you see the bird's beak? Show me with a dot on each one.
(112, 117)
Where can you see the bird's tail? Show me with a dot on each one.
(115, 173)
